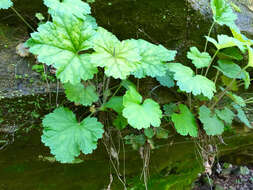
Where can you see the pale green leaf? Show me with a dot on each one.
(79, 94)
(68, 7)
(225, 41)
(242, 116)
(211, 123)
(200, 60)
(139, 115)
(222, 12)
(66, 137)
(239, 36)
(250, 58)
(119, 59)
(190, 83)
(115, 103)
(166, 80)
(131, 96)
(226, 115)
(5, 4)
(229, 68)
(60, 44)
(127, 83)
(246, 78)
(185, 122)
(153, 58)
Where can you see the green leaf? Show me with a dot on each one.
(119, 59)
(60, 44)
(153, 58)
(166, 80)
(227, 82)
(115, 103)
(246, 78)
(237, 99)
(68, 7)
(149, 132)
(242, 116)
(229, 68)
(169, 109)
(131, 96)
(127, 83)
(135, 140)
(78, 94)
(226, 115)
(211, 123)
(190, 83)
(225, 41)
(5, 4)
(239, 36)
(139, 115)
(230, 53)
(185, 122)
(120, 122)
(161, 133)
(66, 137)
(200, 60)
(250, 52)
(222, 12)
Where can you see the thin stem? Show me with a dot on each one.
(209, 33)
(211, 62)
(217, 76)
(227, 88)
(138, 84)
(116, 91)
(190, 100)
(22, 18)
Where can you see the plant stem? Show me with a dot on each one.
(211, 62)
(209, 33)
(217, 76)
(116, 90)
(227, 88)
(22, 18)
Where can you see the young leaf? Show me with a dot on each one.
(185, 122)
(166, 80)
(250, 52)
(200, 60)
(239, 36)
(69, 7)
(188, 82)
(211, 123)
(149, 132)
(78, 94)
(120, 122)
(230, 53)
(226, 115)
(237, 99)
(169, 109)
(5, 4)
(59, 44)
(246, 78)
(229, 68)
(225, 41)
(242, 116)
(131, 96)
(222, 12)
(153, 58)
(118, 58)
(141, 116)
(115, 103)
(66, 137)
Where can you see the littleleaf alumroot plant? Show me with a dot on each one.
(88, 57)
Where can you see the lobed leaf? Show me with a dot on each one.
(190, 83)
(141, 116)
(60, 43)
(222, 12)
(226, 115)
(153, 58)
(211, 123)
(78, 94)
(68, 7)
(185, 122)
(5, 4)
(115, 103)
(66, 137)
(118, 58)
(229, 68)
(200, 60)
